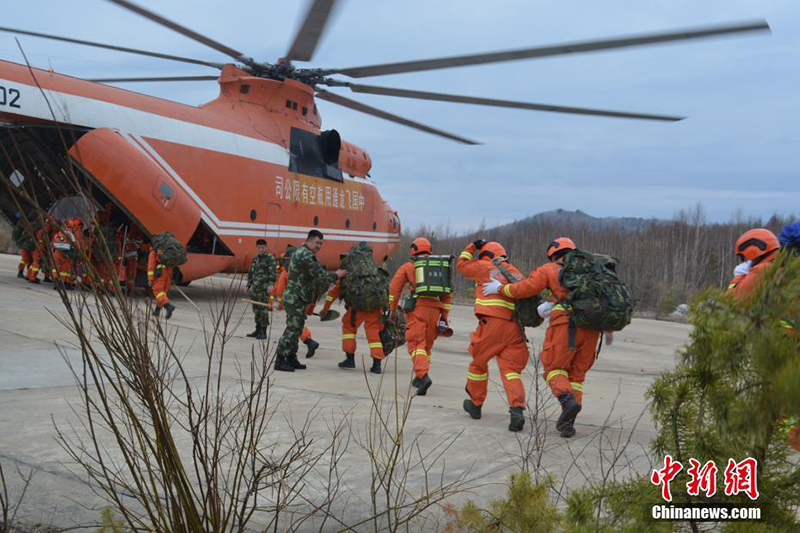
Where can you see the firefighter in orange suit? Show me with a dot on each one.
(40, 254)
(65, 250)
(568, 352)
(305, 336)
(422, 323)
(351, 321)
(756, 249)
(25, 261)
(498, 334)
(159, 277)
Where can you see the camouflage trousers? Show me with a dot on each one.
(261, 312)
(295, 322)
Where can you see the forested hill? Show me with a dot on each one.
(659, 259)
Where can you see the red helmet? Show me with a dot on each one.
(491, 250)
(756, 242)
(562, 243)
(421, 245)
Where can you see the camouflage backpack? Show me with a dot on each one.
(393, 334)
(597, 299)
(169, 249)
(526, 310)
(108, 239)
(366, 285)
(23, 238)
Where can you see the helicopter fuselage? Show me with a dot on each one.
(251, 164)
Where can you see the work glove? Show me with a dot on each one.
(742, 269)
(492, 287)
(545, 309)
(478, 244)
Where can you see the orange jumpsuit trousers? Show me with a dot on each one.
(501, 338)
(25, 261)
(421, 332)
(564, 368)
(352, 320)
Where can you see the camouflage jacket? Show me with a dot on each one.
(308, 279)
(263, 272)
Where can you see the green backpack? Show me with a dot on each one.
(169, 249)
(433, 275)
(393, 334)
(23, 238)
(366, 285)
(596, 297)
(526, 310)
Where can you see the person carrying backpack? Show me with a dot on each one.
(366, 294)
(569, 351)
(422, 326)
(351, 321)
(498, 334)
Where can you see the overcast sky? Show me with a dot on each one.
(738, 149)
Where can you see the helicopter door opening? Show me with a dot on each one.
(205, 241)
(315, 155)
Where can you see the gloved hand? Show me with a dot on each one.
(492, 287)
(545, 309)
(742, 269)
(609, 337)
(479, 244)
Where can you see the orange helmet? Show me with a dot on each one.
(491, 250)
(562, 243)
(756, 242)
(421, 245)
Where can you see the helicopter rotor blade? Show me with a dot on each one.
(425, 95)
(158, 19)
(549, 51)
(113, 47)
(162, 78)
(310, 32)
(363, 108)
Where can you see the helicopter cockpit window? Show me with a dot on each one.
(315, 155)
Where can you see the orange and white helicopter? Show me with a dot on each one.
(253, 163)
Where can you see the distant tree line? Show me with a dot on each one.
(664, 263)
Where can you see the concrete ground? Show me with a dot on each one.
(37, 389)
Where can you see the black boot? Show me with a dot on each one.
(297, 365)
(157, 311)
(255, 331)
(569, 410)
(349, 362)
(312, 347)
(473, 410)
(262, 334)
(376, 366)
(568, 430)
(170, 308)
(517, 421)
(282, 364)
(423, 384)
(20, 274)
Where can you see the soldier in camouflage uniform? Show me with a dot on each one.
(308, 280)
(260, 281)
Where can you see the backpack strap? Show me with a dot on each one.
(571, 329)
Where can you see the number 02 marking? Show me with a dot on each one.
(9, 97)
